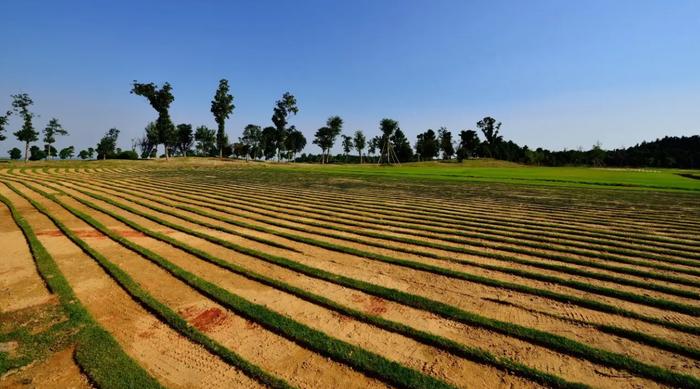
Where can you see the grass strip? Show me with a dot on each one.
(284, 215)
(152, 305)
(97, 353)
(549, 340)
(427, 222)
(356, 357)
(592, 304)
(501, 257)
(664, 304)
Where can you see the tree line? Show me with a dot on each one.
(282, 141)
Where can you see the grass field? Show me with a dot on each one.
(202, 273)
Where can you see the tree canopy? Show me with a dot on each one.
(106, 148)
(221, 107)
(53, 129)
(160, 100)
(27, 134)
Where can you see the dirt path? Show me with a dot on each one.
(57, 371)
(172, 359)
(20, 284)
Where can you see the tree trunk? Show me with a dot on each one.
(26, 152)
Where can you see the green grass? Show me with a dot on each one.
(548, 340)
(639, 179)
(97, 353)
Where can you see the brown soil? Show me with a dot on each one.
(57, 371)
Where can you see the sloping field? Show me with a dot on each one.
(229, 275)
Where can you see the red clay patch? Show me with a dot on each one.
(204, 320)
(375, 306)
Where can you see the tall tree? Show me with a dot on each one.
(427, 145)
(360, 142)
(268, 142)
(388, 128)
(401, 146)
(206, 140)
(347, 145)
(160, 99)
(53, 129)
(374, 145)
(294, 142)
(222, 107)
(3, 122)
(21, 103)
(185, 138)
(325, 136)
(283, 108)
(468, 144)
(252, 138)
(490, 128)
(108, 144)
(446, 146)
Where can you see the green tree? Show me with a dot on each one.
(294, 142)
(268, 142)
(427, 145)
(446, 146)
(91, 152)
(252, 139)
(468, 144)
(15, 153)
(388, 127)
(347, 145)
(83, 154)
(206, 141)
(325, 136)
(374, 145)
(160, 99)
(108, 144)
(50, 151)
(185, 138)
(490, 128)
(67, 152)
(283, 108)
(4, 119)
(360, 142)
(222, 107)
(53, 129)
(36, 154)
(401, 146)
(21, 103)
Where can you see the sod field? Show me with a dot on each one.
(207, 273)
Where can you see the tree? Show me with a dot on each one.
(83, 154)
(206, 140)
(185, 138)
(268, 142)
(160, 99)
(427, 145)
(490, 128)
(325, 136)
(445, 140)
(388, 128)
(222, 107)
(360, 142)
(21, 103)
(294, 142)
(36, 154)
(50, 151)
(108, 144)
(283, 108)
(3, 122)
(52, 129)
(401, 146)
(67, 152)
(468, 144)
(149, 141)
(347, 145)
(374, 145)
(252, 138)
(15, 153)
(91, 152)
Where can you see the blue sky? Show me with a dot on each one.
(558, 74)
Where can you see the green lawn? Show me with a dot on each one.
(492, 171)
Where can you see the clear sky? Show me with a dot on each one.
(558, 74)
